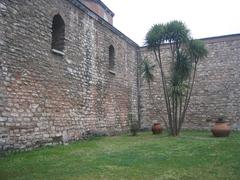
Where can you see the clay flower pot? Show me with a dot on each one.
(221, 129)
(156, 128)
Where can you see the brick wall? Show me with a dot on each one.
(45, 96)
(99, 9)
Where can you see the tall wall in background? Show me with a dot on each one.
(216, 91)
(46, 96)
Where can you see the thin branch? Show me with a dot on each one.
(157, 108)
(158, 56)
(189, 96)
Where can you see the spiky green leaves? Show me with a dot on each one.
(147, 70)
(196, 50)
(172, 32)
(181, 71)
(176, 32)
(155, 36)
(181, 67)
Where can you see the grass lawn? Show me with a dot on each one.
(193, 155)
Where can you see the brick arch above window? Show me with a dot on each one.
(111, 53)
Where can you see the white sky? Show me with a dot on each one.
(205, 18)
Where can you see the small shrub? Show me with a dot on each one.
(134, 129)
(133, 124)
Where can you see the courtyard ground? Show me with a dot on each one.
(192, 155)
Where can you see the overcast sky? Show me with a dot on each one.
(205, 18)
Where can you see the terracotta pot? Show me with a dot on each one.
(221, 129)
(156, 128)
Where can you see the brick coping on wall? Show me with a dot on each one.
(103, 22)
(214, 39)
(104, 7)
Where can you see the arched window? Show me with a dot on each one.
(111, 57)
(58, 33)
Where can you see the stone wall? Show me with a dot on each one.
(216, 91)
(46, 97)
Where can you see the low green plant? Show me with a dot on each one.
(134, 129)
(134, 126)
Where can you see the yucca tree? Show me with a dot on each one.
(185, 55)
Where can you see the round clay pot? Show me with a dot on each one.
(156, 128)
(221, 129)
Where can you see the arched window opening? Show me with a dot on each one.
(58, 33)
(111, 57)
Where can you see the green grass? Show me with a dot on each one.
(193, 155)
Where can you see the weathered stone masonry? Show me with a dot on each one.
(44, 95)
(93, 85)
